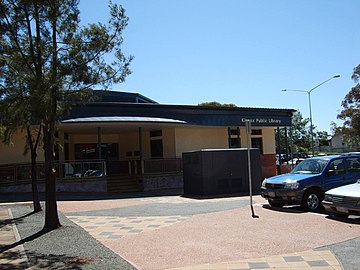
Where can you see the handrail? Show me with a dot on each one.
(77, 169)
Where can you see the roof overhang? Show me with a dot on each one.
(123, 119)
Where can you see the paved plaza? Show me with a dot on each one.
(176, 232)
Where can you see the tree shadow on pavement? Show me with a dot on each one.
(12, 260)
(22, 241)
(52, 261)
(10, 221)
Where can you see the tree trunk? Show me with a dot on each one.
(34, 188)
(35, 191)
(51, 214)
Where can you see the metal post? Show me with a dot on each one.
(141, 151)
(229, 137)
(286, 145)
(309, 92)
(99, 141)
(248, 139)
(278, 155)
(311, 127)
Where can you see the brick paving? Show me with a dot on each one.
(110, 227)
(113, 230)
(12, 258)
(307, 260)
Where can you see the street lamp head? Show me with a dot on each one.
(337, 76)
(283, 89)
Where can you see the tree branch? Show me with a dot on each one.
(16, 41)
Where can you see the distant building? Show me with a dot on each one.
(337, 141)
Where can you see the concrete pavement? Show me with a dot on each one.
(174, 232)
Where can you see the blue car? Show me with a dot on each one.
(307, 183)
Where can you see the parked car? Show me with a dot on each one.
(343, 200)
(307, 183)
(295, 161)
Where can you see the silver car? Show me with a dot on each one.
(344, 200)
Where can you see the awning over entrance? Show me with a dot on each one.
(126, 119)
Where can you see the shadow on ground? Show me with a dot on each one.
(344, 219)
(42, 261)
(9, 221)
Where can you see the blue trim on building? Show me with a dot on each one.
(192, 115)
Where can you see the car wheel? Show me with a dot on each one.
(311, 200)
(275, 203)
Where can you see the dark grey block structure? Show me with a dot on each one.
(220, 171)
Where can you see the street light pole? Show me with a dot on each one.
(309, 98)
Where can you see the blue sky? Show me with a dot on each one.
(240, 51)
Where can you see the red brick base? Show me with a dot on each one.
(268, 165)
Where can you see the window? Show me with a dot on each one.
(353, 165)
(256, 132)
(235, 143)
(336, 167)
(156, 144)
(91, 151)
(156, 148)
(257, 143)
(155, 133)
(234, 132)
(66, 151)
(234, 137)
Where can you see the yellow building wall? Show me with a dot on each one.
(14, 153)
(128, 142)
(189, 139)
(169, 143)
(168, 138)
(176, 140)
(268, 140)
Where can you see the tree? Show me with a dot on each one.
(44, 49)
(300, 135)
(16, 115)
(351, 112)
(323, 137)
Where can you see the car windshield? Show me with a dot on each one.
(310, 166)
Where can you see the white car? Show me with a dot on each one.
(344, 200)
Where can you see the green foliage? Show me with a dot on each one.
(216, 104)
(350, 113)
(45, 54)
(299, 135)
(300, 132)
(323, 137)
(45, 51)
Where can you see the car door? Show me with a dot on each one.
(352, 169)
(335, 174)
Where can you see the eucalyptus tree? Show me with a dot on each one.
(16, 115)
(44, 48)
(350, 113)
(300, 136)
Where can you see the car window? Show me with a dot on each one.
(336, 167)
(310, 166)
(353, 165)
